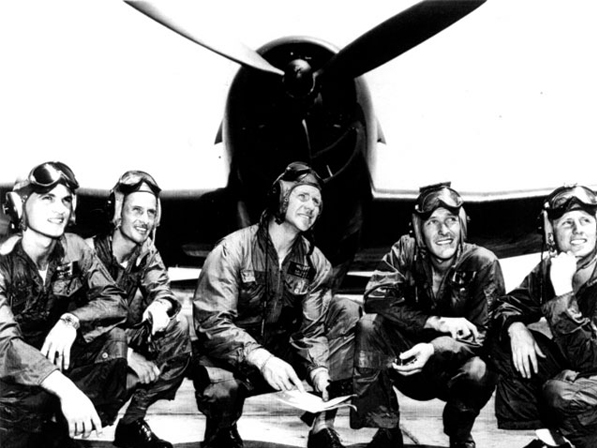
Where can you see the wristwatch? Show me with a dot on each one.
(70, 319)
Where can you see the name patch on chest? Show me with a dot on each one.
(66, 270)
(299, 270)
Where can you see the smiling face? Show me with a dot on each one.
(576, 232)
(304, 206)
(48, 214)
(441, 233)
(139, 212)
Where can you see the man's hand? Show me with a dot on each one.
(280, 375)
(146, 370)
(566, 375)
(77, 408)
(321, 381)
(415, 359)
(58, 343)
(158, 310)
(524, 350)
(561, 273)
(458, 327)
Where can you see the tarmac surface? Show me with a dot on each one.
(266, 423)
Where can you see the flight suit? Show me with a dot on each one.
(145, 279)
(563, 394)
(77, 283)
(399, 300)
(245, 301)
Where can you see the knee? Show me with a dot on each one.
(117, 335)
(179, 327)
(557, 395)
(477, 372)
(366, 326)
(112, 344)
(344, 314)
(208, 391)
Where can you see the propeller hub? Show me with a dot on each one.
(299, 79)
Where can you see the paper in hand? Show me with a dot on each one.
(312, 403)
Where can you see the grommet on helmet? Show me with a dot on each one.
(562, 200)
(130, 182)
(41, 179)
(431, 198)
(295, 174)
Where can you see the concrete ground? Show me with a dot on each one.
(268, 424)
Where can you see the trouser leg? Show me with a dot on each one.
(98, 370)
(341, 322)
(468, 391)
(221, 393)
(518, 401)
(375, 401)
(23, 414)
(174, 351)
(574, 404)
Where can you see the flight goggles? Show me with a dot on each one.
(297, 171)
(439, 195)
(132, 181)
(566, 198)
(49, 174)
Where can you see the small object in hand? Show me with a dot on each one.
(406, 361)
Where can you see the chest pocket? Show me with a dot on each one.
(21, 294)
(298, 278)
(251, 291)
(297, 286)
(67, 282)
(461, 284)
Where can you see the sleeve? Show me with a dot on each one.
(575, 334)
(522, 304)
(106, 307)
(310, 342)
(155, 284)
(20, 363)
(215, 306)
(385, 293)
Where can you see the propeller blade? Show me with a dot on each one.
(397, 35)
(234, 51)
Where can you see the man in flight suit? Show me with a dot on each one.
(265, 316)
(432, 294)
(62, 356)
(158, 336)
(549, 378)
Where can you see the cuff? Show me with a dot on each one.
(173, 304)
(71, 320)
(316, 371)
(258, 357)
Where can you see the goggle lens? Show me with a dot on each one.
(566, 198)
(443, 197)
(580, 194)
(296, 170)
(131, 180)
(50, 173)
